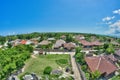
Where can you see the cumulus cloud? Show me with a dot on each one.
(114, 28)
(108, 18)
(116, 11)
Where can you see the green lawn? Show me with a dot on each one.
(38, 64)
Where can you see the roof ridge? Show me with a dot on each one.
(98, 63)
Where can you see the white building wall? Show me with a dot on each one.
(35, 52)
(60, 52)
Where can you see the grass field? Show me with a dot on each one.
(38, 64)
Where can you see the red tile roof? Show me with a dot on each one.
(96, 43)
(101, 64)
(85, 43)
(23, 42)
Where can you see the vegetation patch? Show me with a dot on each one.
(38, 64)
(13, 59)
(62, 62)
(47, 70)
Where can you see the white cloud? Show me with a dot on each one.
(108, 18)
(116, 11)
(114, 28)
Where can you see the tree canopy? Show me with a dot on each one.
(13, 59)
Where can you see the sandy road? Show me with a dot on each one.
(75, 68)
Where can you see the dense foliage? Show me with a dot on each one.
(47, 70)
(116, 77)
(13, 59)
(69, 36)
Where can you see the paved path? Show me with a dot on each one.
(75, 68)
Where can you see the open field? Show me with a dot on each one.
(38, 63)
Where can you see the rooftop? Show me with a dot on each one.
(101, 64)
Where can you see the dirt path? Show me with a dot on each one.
(23, 69)
(33, 56)
(75, 68)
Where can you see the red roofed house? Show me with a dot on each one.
(96, 43)
(86, 44)
(23, 42)
(101, 64)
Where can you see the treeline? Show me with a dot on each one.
(50, 34)
(13, 59)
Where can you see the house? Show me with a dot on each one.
(96, 43)
(63, 37)
(86, 44)
(79, 37)
(16, 42)
(59, 43)
(51, 39)
(23, 41)
(44, 42)
(35, 42)
(117, 54)
(69, 46)
(115, 43)
(29, 42)
(111, 58)
(101, 64)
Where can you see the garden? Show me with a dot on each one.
(43, 65)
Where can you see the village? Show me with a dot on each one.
(69, 57)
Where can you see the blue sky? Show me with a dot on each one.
(86, 16)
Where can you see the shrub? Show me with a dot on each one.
(62, 62)
(87, 76)
(84, 68)
(47, 70)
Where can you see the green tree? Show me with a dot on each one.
(95, 75)
(47, 70)
(87, 76)
(80, 58)
(110, 49)
(12, 59)
(69, 38)
(77, 50)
